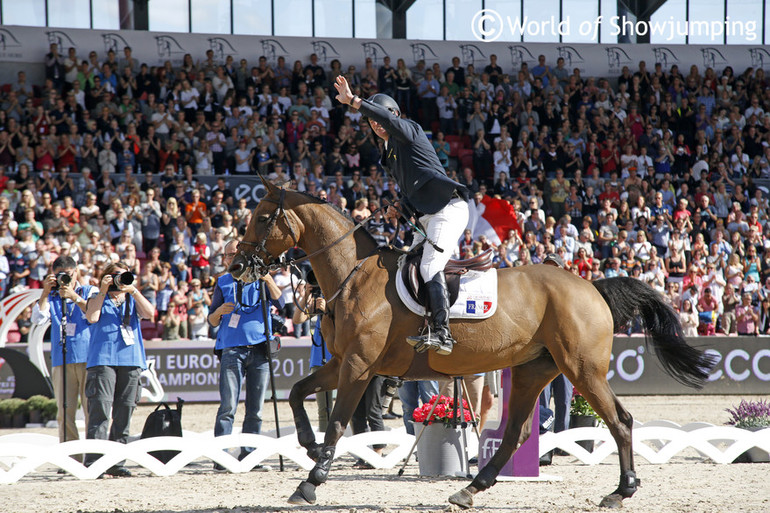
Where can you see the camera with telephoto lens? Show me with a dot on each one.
(312, 282)
(389, 390)
(63, 279)
(124, 278)
(278, 324)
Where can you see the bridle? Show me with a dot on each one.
(254, 259)
(263, 267)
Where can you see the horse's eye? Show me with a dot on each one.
(263, 218)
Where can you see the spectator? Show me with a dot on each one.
(115, 359)
(747, 316)
(241, 339)
(56, 302)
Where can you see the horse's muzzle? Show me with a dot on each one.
(238, 267)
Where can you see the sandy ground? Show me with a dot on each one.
(688, 484)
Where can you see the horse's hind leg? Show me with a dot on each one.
(527, 381)
(349, 392)
(592, 383)
(323, 379)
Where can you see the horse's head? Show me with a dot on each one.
(268, 235)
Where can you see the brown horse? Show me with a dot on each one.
(548, 321)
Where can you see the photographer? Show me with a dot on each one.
(237, 309)
(309, 299)
(62, 289)
(116, 357)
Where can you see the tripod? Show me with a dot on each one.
(269, 339)
(458, 420)
(63, 343)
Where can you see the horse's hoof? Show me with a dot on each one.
(613, 501)
(303, 495)
(463, 498)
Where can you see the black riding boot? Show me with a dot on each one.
(438, 337)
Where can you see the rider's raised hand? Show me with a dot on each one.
(343, 88)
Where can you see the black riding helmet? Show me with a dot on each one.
(383, 100)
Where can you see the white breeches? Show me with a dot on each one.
(445, 228)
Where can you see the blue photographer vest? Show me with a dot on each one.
(77, 344)
(107, 344)
(318, 350)
(250, 328)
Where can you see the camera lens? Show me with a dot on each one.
(389, 390)
(311, 279)
(63, 279)
(122, 278)
(125, 278)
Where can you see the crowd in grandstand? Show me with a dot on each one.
(650, 174)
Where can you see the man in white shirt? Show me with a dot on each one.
(162, 121)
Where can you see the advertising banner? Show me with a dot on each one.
(742, 367)
(190, 370)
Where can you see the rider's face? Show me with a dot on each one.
(377, 128)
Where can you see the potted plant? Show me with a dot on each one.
(36, 403)
(753, 416)
(581, 414)
(18, 409)
(50, 409)
(439, 451)
(6, 413)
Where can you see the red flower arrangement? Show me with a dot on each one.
(444, 412)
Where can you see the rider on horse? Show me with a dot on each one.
(440, 204)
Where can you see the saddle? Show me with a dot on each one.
(410, 274)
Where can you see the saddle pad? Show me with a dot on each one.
(476, 299)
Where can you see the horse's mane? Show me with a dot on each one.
(319, 201)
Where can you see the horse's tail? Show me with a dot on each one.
(628, 299)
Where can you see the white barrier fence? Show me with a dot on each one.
(657, 442)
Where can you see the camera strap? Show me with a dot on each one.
(240, 306)
(127, 311)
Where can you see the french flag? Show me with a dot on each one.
(494, 218)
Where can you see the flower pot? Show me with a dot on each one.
(755, 454)
(578, 421)
(35, 417)
(440, 450)
(19, 420)
(6, 420)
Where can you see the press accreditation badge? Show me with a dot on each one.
(70, 331)
(234, 320)
(128, 335)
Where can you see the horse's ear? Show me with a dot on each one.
(269, 186)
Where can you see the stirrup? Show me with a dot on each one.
(419, 341)
(431, 340)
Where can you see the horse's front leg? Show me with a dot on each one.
(349, 393)
(322, 380)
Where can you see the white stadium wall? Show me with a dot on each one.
(30, 44)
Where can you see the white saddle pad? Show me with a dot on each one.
(477, 298)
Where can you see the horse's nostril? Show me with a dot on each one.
(235, 268)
